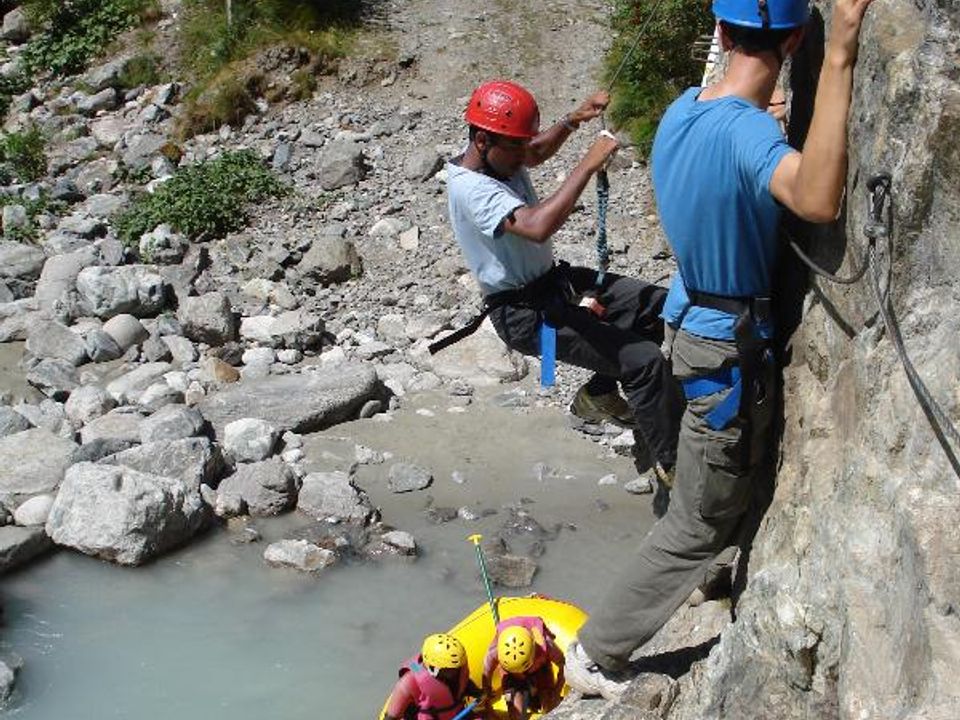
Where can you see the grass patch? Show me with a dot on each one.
(660, 68)
(29, 233)
(142, 69)
(9, 87)
(217, 55)
(23, 156)
(75, 31)
(206, 200)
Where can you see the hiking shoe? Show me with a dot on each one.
(588, 678)
(609, 407)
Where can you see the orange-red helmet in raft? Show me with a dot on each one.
(504, 108)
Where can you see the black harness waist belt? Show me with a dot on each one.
(535, 294)
(756, 308)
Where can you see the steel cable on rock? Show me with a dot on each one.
(879, 225)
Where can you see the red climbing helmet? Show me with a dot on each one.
(504, 108)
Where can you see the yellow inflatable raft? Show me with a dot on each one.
(477, 629)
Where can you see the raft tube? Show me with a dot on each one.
(476, 632)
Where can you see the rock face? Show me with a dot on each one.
(33, 461)
(850, 610)
(121, 515)
(323, 399)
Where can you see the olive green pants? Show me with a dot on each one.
(715, 492)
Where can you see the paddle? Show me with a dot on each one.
(475, 539)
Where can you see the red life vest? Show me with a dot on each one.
(542, 641)
(434, 700)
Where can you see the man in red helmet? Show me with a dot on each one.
(505, 232)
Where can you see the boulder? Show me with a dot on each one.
(33, 511)
(107, 131)
(118, 514)
(16, 26)
(107, 99)
(50, 339)
(208, 319)
(261, 488)
(193, 460)
(163, 246)
(12, 422)
(172, 422)
(101, 347)
(330, 259)
(128, 387)
(20, 545)
(422, 164)
(323, 399)
(296, 329)
(54, 378)
(481, 359)
(87, 403)
(404, 477)
(249, 439)
(341, 164)
(20, 261)
(33, 461)
(108, 291)
(142, 149)
(126, 331)
(300, 555)
(326, 495)
(121, 424)
(59, 276)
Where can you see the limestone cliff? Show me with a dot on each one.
(852, 608)
(852, 604)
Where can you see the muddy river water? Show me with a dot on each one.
(211, 632)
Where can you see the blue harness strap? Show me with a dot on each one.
(548, 354)
(727, 410)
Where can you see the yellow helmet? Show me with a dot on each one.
(515, 649)
(443, 651)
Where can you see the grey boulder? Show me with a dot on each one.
(333, 495)
(108, 291)
(262, 488)
(118, 514)
(33, 461)
(208, 319)
(322, 399)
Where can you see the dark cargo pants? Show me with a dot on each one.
(713, 500)
(623, 346)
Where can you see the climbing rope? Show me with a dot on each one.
(603, 250)
(879, 226)
(603, 181)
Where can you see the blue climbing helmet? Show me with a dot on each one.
(764, 14)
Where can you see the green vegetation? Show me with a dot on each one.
(22, 156)
(208, 199)
(77, 30)
(10, 86)
(660, 68)
(30, 231)
(217, 55)
(142, 69)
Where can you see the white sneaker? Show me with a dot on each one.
(588, 678)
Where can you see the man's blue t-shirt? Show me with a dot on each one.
(712, 164)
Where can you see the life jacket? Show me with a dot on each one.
(434, 700)
(543, 639)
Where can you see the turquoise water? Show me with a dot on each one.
(212, 632)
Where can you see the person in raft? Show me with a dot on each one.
(433, 685)
(519, 664)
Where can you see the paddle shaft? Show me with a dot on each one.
(475, 539)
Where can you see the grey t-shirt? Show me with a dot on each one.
(478, 206)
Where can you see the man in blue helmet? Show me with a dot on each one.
(722, 173)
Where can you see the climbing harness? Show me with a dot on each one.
(878, 227)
